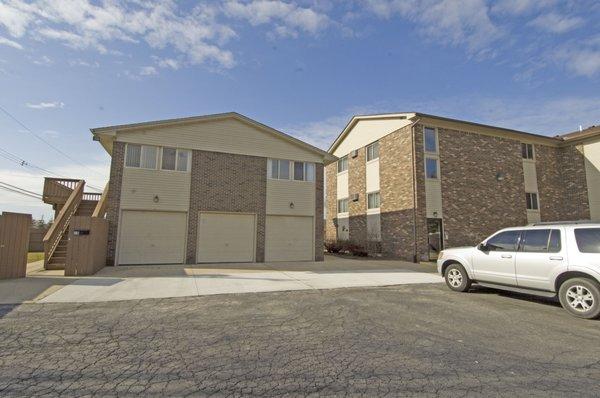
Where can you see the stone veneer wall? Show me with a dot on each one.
(114, 199)
(357, 184)
(228, 183)
(319, 220)
(396, 187)
(475, 204)
(331, 201)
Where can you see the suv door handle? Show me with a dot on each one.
(557, 258)
(506, 256)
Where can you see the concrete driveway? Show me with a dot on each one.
(164, 281)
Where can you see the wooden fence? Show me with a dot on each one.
(88, 238)
(36, 239)
(14, 243)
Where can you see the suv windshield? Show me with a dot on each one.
(588, 239)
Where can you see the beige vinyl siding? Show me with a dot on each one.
(342, 185)
(530, 176)
(223, 135)
(533, 216)
(372, 175)
(433, 198)
(592, 172)
(140, 186)
(152, 237)
(281, 193)
(367, 131)
(226, 237)
(289, 238)
(343, 228)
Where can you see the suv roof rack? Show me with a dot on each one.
(564, 222)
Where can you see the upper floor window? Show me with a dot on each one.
(532, 201)
(430, 139)
(527, 151)
(141, 156)
(175, 159)
(278, 169)
(342, 164)
(431, 168)
(342, 205)
(304, 171)
(373, 200)
(373, 151)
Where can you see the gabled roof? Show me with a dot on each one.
(589, 132)
(112, 130)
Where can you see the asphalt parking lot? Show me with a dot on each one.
(399, 341)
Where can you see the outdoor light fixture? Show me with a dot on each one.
(155, 199)
(500, 176)
(291, 205)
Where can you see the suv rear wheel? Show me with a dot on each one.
(580, 297)
(456, 278)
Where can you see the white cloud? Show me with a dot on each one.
(46, 105)
(11, 43)
(555, 23)
(43, 61)
(289, 18)
(81, 62)
(580, 57)
(168, 63)
(450, 22)
(148, 71)
(520, 7)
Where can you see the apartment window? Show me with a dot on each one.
(431, 168)
(304, 171)
(343, 205)
(175, 159)
(527, 151)
(278, 169)
(430, 139)
(373, 200)
(532, 201)
(373, 151)
(342, 164)
(141, 156)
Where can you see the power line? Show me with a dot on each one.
(21, 191)
(19, 188)
(45, 141)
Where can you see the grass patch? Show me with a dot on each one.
(34, 256)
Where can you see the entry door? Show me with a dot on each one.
(434, 237)
(226, 238)
(497, 264)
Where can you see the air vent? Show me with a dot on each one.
(355, 197)
(354, 153)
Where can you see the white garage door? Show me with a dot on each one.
(226, 238)
(152, 237)
(289, 238)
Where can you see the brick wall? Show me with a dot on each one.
(331, 201)
(114, 198)
(575, 202)
(228, 183)
(319, 221)
(396, 192)
(357, 185)
(475, 204)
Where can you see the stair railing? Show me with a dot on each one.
(100, 209)
(61, 223)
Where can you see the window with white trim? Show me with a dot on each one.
(304, 171)
(342, 205)
(373, 151)
(532, 201)
(527, 151)
(430, 140)
(342, 164)
(373, 200)
(278, 169)
(175, 159)
(141, 156)
(431, 168)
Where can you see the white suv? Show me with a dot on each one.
(542, 259)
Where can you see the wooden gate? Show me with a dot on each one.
(14, 243)
(88, 238)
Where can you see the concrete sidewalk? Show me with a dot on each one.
(163, 281)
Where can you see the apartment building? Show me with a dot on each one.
(417, 183)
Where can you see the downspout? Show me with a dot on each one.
(414, 160)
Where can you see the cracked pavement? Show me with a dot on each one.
(398, 341)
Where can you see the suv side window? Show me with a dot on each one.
(588, 240)
(504, 241)
(541, 241)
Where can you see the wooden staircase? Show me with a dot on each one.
(68, 200)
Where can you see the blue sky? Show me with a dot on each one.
(304, 67)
